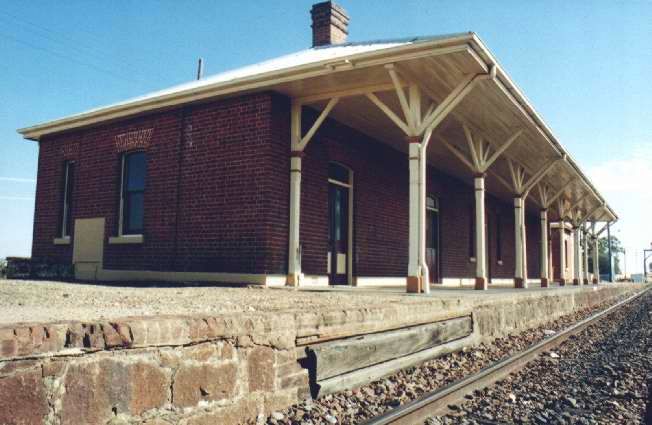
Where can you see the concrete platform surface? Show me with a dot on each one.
(23, 301)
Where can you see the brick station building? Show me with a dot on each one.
(393, 162)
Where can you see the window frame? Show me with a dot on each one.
(472, 253)
(122, 231)
(66, 203)
(499, 245)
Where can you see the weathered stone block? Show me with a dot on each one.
(280, 400)
(74, 336)
(53, 367)
(202, 352)
(93, 337)
(23, 399)
(296, 380)
(260, 365)
(193, 383)
(97, 390)
(24, 341)
(113, 338)
(10, 367)
(149, 387)
(228, 351)
(244, 411)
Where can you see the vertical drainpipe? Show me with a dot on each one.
(181, 155)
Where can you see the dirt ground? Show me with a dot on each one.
(47, 301)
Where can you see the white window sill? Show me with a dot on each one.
(62, 241)
(472, 259)
(126, 239)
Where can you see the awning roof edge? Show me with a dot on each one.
(486, 55)
(267, 79)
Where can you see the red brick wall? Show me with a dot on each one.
(217, 195)
(380, 202)
(212, 190)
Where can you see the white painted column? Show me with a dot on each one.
(294, 253)
(585, 249)
(596, 261)
(544, 249)
(414, 275)
(519, 278)
(577, 259)
(562, 254)
(423, 183)
(524, 243)
(480, 236)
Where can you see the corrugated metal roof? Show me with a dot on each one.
(286, 62)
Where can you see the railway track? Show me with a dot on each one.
(437, 402)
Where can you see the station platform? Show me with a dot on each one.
(227, 355)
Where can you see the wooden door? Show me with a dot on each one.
(432, 239)
(338, 252)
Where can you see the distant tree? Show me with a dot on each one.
(603, 250)
(3, 267)
(616, 248)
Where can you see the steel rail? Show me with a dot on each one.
(437, 401)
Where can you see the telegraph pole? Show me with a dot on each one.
(647, 253)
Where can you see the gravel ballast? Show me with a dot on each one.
(360, 404)
(596, 377)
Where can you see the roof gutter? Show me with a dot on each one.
(249, 83)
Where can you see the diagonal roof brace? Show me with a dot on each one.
(561, 191)
(298, 142)
(586, 216)
(539, 175)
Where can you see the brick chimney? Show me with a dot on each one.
(329, 24)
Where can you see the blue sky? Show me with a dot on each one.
(584, 65)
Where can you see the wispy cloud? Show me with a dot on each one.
(625, 181)
(625, 175)
(17, 180)
(16, 198)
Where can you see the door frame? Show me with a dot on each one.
(349, 242)
(437, 210)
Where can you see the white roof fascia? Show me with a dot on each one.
(296, 66)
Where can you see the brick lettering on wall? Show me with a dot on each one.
(138, 139)
(70, 151)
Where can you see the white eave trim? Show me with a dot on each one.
(243, 84)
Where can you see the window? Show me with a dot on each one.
(338, 173)
(134, 170)
(66, 196)
(471, 231)
(499, 249)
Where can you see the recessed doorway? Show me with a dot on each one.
(432, 238)
(340, 224)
